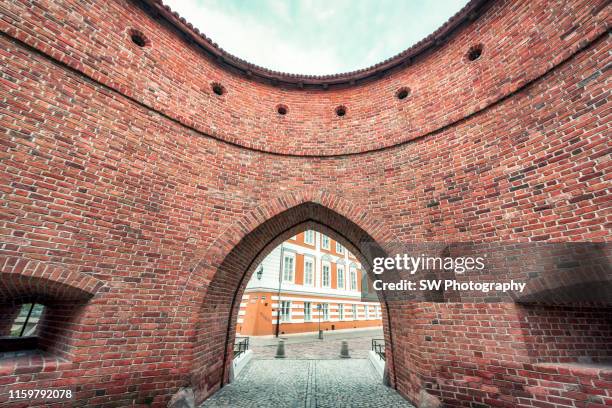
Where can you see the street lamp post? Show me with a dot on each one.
(280, 281)
(319, 309)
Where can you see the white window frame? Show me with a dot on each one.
(310, 260)
(307, 311)
(288, 255)
(285, 311)
(354, 307)
(339, 248)
(325, 311)
(309, 237)
(340, 311)
(341, 284)
(353, 278)
(323, 265)
(325, 242)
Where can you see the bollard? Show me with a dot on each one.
(344, 350)
(280, 349)
(320, 334)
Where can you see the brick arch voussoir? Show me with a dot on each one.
(215, 254)
(27, 279)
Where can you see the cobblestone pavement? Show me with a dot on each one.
(309, 347)
(307, 384)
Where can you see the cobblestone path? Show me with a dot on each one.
(308, 346)
(307, 384)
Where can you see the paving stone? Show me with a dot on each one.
(307, 383)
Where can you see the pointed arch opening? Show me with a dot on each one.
(228, 274)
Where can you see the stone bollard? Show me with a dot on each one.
(427, 400)
(344, 350)
(184, 398)
(280, 349)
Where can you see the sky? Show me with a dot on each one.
(316, 37)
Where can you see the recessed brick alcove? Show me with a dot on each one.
(136, 200)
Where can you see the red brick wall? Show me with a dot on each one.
(172, 77)
(58, 330)
(567, 334)
(493, 354)
(116, 166)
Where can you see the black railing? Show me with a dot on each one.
(241, 345)
(378, 346)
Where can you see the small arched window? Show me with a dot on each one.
(26, 322)
(19, 327)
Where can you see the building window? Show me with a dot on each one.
(366, 311)
(325, 241)
(26, 322)
(341, 312)
(285, 311)
(294, 238)
(308, 271)
(339, 248)
(288, 267)
(354, 312)
(325, 311)
(340, 276)
(325, 275)
(353, 279)
(309, 237)
(307, 311)
(377, 312)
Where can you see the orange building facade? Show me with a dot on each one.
(308, 282)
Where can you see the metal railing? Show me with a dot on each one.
(241, 345)
(378, 346)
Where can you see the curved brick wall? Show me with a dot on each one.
(116, 165)
(172, 77)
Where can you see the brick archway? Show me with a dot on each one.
(246, 243)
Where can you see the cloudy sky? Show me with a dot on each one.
(316, 36)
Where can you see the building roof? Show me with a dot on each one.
(228, 61)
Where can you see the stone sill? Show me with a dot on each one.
(30, 362)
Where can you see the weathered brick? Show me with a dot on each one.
(135, 198)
